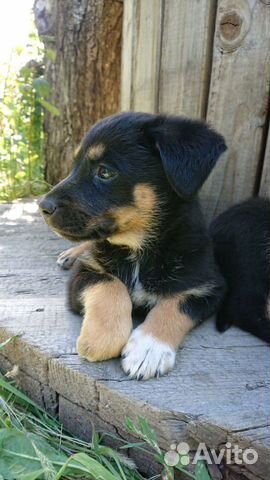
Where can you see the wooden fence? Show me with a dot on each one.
(207, 59)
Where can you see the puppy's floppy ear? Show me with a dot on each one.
(188, 150)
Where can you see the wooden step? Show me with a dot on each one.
(218, 391)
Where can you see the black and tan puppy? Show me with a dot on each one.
(132, 195)
(242, 248)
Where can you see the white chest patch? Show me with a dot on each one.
(139, 296)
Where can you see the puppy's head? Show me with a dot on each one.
(127, 170)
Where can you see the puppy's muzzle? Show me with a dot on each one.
(62, 218)
(73, 223)
(47, 206)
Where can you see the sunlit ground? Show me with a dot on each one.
(20, 211)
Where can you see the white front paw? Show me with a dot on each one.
(145, 357)
(66, 259)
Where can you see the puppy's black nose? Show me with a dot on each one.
(47, 206)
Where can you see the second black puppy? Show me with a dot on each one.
(242, 247)
(133, 196)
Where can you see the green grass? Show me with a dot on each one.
(34, 445)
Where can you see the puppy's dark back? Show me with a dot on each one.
(241, 238)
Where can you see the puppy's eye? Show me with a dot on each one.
(105, 173)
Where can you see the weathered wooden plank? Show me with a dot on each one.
(41, 393)
(30, 264)
(43, 247)
(265, 180)
(129, 32)
(226, 385)
(46, 328)
(259, 439)
(141, 59)
(22, 282)
(31, 360)
(255, 438)
(218, 388)
(73, 371)
(238, 98)
(198, 364)
(28, 252)
(80, 422)
(225, 400)
(186, 56)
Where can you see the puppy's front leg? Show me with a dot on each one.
(67, 258)
(107, 321)
(152, 347)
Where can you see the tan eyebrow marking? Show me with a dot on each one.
(76, 150)
(95, 151)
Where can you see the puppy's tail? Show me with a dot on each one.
(249, 313)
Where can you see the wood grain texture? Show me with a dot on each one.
(265, 179)
(186, 56)
(81, 421)
(218, 390)
(238, 98)
(141, 60)
(84, 76)
(128, 44)
(33, 269)
(41, 393)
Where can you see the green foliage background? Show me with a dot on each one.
(24, 95)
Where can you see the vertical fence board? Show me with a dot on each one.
(265, 180)
(238, 98)
(166, 63)
(186, 54)
(129, 32)
(145, 37)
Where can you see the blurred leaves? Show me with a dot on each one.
(51, 108)
(41, 86)
(50, 54)
(24, 96)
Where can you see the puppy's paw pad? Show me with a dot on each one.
(98, 349)
(65, 260)
(145, 357)
(85, 350)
